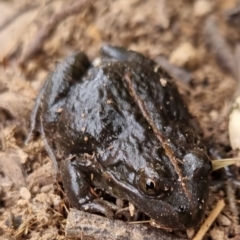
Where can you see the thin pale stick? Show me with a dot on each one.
(209, 221)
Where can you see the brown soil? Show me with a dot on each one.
(199, 38)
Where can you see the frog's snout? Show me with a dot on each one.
(190, 216)
(184, 214)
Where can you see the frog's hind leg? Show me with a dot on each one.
(55, 88)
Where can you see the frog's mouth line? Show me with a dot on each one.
(162, 213)
(161, 138)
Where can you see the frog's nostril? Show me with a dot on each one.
(190, 216)
(185, 216)
(182, 209)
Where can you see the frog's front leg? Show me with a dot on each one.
(78, 189)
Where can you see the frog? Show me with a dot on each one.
(119, 124)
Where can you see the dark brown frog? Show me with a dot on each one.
(122, 126)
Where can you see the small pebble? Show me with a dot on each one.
(22, 202)
(46, 188)
(202, 7)
(97, 62)
(224, 221)
(50, 235)
(56, 202)
(184, 55)
(221, 193)
(24, 193)
(43, 198)
(217, 234)
(163, 82)
(131, 209)
(214, 115)
(190, 233)
(35, 189)
(119, 202)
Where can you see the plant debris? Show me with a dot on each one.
(33, 204)
(209, 221)
(91, 226)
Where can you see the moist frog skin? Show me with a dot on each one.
(121, 125)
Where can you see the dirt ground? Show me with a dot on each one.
(196, 41)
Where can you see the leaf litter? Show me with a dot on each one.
(32, 203)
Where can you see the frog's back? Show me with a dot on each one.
(116, 106)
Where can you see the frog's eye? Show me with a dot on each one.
(148, 186)
(152, 186)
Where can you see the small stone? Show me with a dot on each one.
(56, 202)
(184, 55)
(202, 8)
(224, 221)
(25, 193)
(163, 82)
(131, 209)
(190, 233)
(49, 235)
(46, 188)
(217, 234)
(109, 101)
(35, 189)
(43, 198)
(155, 69)
(221, 193)
(214, 115)
(119, 202)
(22, 202)
(97, 62)
(59, 110)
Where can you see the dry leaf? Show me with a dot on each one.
(12, 33)
(10, 165)
(131, 209)
(7, 10)
(16, 104)
(220, 163)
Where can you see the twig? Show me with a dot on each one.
(48, 29)
(221, 163)
(91, 226)
(233, 16)
(209, 221)
(237, 62)
(20, 12)
(230, 189)
(218, 46)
